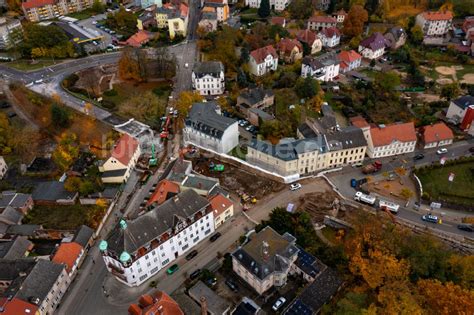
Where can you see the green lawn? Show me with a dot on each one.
(62, 217)
(82, 15)
(461, 190)
(26, 65)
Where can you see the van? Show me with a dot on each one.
(430, 218)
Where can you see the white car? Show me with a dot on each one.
(186, 65)
(295, 186)
(442, 151)
(94, 22)
(278, 303)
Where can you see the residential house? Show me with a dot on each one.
(436, 135)
(10, 33)
(208, 21)
(207, 128)
(255, 98)
(311, 40)
(340, 16)
(16, 248)
(83, 237)
(148, 3)
(18, 201)
(395, 37)
(164, 190)
(39, 10)
(222, 207)
(323, 5)
(276, 5)
(146, 20)
(208, 78)
(330, 37)
(289, 50)
(139, 39)
(247, 306)
(199, 183)
(220, 7)
(209, 300)
(350, 60)
(468, 29)
(323, 68)
(263, 60)
(373, 46)
(321, 22)
(461, 111)
(435, 23)
(157, 302)
(278, 20)
(9, 216)
(3, 167)
(118, 167)
(266, 260)
(70, 255)
(137, 249)
(53, 193)
(174, 17)
(255, 116)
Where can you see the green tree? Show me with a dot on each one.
(307, 87)
(98, 7)
(60, 116)
(46, 41)
(387, 81)
(450, 91)
(72, 184)
(416, 34)
(6, 134)
(300, 9)
(264, 8)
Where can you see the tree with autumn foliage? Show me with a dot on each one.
(129, 66)
(185, 100)
(66, 151)
(355, 20)
(445, 298)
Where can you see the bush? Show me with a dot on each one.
(111, 93)
(158, 92)
(108, 104)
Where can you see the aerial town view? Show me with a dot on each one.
(170, 157)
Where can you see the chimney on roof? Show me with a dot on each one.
(265, 251)
(203, 305)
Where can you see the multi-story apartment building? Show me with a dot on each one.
(137, 249)
(436, 135)
(321, 22)
(276, 5)
(174, 18)
(350, 60)
(263, 60)
(435, 23)
(39, 10)
(207, 128)
(266, 260)
(220, 7)
(10, 32)
(322, 68)
(330, 37)
(208, 78)
(373, 46)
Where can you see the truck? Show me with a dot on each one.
(390, 206)
(368, 199)
(372, 168)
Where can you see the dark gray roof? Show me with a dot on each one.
(114, 173)
(346, 138)
(308, 263)
(13, 199)
(40, 281)
(260, 113)
(464, 101)
(154, 223)
(254, 96)
(218, 190)
(200, 182)
(209, 16)
(10, 269)
(289, 151)
(23, 229)
(327, 59)
(109, 192)
(246, 307)
(312, 62)
(215, 303)
(280, 250)
(374, 42)
(212, 68)
(52, 191)
(307, 131)
(15, 248)
(204, 118)
(83, 235)
(397, 32)
(11, 216)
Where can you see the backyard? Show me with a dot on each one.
(437, 187)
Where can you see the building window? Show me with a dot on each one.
(165, 262)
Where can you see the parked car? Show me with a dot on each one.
(4, 104)
(211, 282)
(295, 186)
(279, 303)
(419, 156)
(430, 218)
(248, 128)
(471, 149)
(172, 269)
(196, 273)
(466, 227)
(215, 236)
(442, 151)
(191, 255)
(231, 284)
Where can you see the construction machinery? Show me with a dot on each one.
(165, 130)
(372, 168)
(153, 159)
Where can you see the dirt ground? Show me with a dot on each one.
(392, 188)
(319, 204)
(444, 81)
(234, 179)
(446, 70)
(468, 78)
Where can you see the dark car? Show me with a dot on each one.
(466, 227)
(191, 255)
(471, 149)
(231, 284)
(418, 157)
(4, 104)
(196, 273)
(215, 236)
(211, 282)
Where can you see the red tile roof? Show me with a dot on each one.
(161, 303)
(349, 56)
(278, 20)
(36, 3)
(219, 204)
(437, 16)
(395, 132)
(436, 132)
(67, 254)
(139, 38)
(162, 190)
(468, 23)
(17, 307)
(359, 122)
(340, 12)
(286, 45)
(125, 149)
(330, 32)
(306, 36)
(322, 19)
(261, 53)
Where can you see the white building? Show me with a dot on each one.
(349, 60)
(330, 37)
(263, 60)
(223, 209)
(118, 167)
(10, 32)
(435, 23)
(136, 250)
(321, 22)
(436, 135)
(207, 128)
(3, 167)
(323, 68)
(208, 78)
(459, 107)
(373, 46)
(276, 5)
